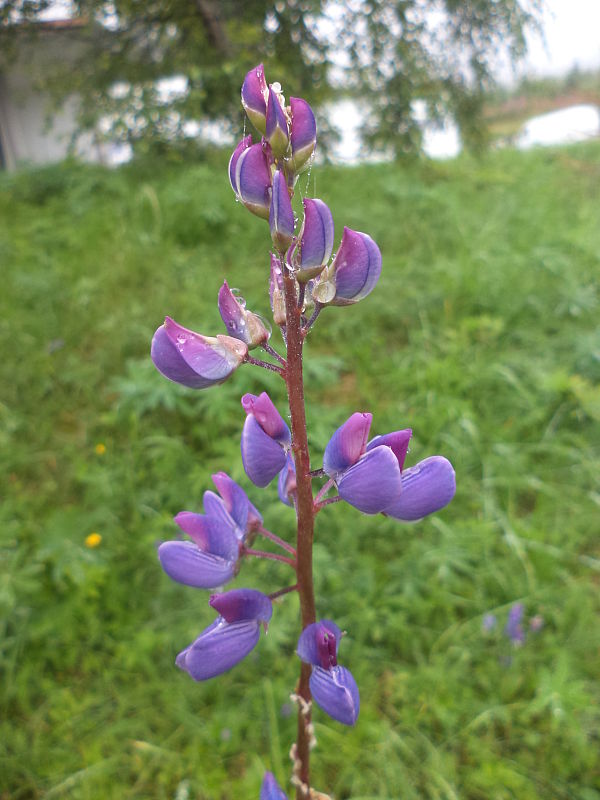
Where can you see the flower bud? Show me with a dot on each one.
(281, 216)
(353, 273)
(252, 179)
(243, 145)
(254, 92)
(315, 241)
(277, 125)
(240, 323)
(303, 132)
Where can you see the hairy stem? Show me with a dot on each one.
(277, 539)
(264, 364)
(304, 510)
(272, 556)
(281, 592)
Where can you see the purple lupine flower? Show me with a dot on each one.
(332, 686)
(427, 487)
(277, 129)
(254, 94)
(211, 559)
(270, 789)
(286, 484)
(303, 132)
(250, 177)
(513, 628)
(266, 439)
(230, 637)
(276, 291)
(353, 273)
(195, 360)
(315, 241)
(367, 474)
(281, 215)
(240, 323)
(489, 622)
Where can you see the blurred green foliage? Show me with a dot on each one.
(481, 335)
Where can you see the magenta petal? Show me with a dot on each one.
(219, 648)
(212, 535)
(232, 314)
(347, 444)
(373, 483)
(336, 692)
(357, 267)
(310, 644)
(277, 125)
(244, 144)
(185, 563)
(426, 487)
(303, 132)
(397, 440)
(262, 456)
(242, 604)
(281, 215)
(212, 358)
(253, 180)
(262, 408)
(316, 239)
(254, 90)
(270, 789)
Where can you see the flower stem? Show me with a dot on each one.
(328, 501)
(264, 364)
(304, 510)
(323, 490)
(281, 592)
(313, 318)
(272, 352)
(274, 538)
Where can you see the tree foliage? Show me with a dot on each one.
(387, 55)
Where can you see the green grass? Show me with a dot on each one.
(482, 336)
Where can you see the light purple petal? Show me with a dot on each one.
(242, 604)
(214, 507)
(185, 563)
(262, 408)
(426, 487)
(253, 180)
(270, 789)
(254, 90)
(236, 502)
(357, 267)
(168, 362)
(347, 444)
(303, 132)
(232, 314)
(336, 692)
(262, 456)
(244, 144)
(311, 644)
(277, 126)
(210, 534)
(219, 648)
(212, 358)
(398, 441)
(286, 483)
(316, 238)
(373, 482)
(281, 215)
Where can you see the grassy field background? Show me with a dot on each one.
(482, 335)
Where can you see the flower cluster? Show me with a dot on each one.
(366, 472)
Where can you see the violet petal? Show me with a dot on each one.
(398, 441)
(303, 132)
(336, 692)
(254, 90)
(373, 483)
(308, 644)
(286, 483)
(253, 180)
(426, 487)
(357, 267)
(316, 238)
(262, 408)
(281, 215)
(168, 362)
(213, 358)
(262, 456)
(277, 125)
(242, 604)
(210, 534)
(244, 144)
(270, 789)
(347, 444)
(236, 501)
(219, 648)
(185, 563)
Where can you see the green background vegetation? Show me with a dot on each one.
(481, 335)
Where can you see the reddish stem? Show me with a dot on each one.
(281, 592)
(304, 510)
(273, 556)
(274, 538)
